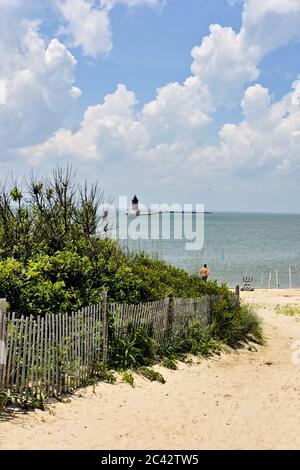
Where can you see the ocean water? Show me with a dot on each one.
(235, 245)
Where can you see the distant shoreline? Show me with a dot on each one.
(166, 212)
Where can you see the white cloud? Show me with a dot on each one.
(108, 131)
(132, 3)
(87, 26)
(224, 62)
(271, 23)
(268, 137)
(178, 110)
(87, 22)
(38, 77)
(255, 103)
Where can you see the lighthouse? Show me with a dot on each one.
(135, 205)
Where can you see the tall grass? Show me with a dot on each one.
(236, 325)
(288, 310)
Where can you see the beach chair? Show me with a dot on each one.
(247, 281)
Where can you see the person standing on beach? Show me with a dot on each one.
(204, 273)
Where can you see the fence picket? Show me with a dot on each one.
(42, 369)
(24, 357)
(19, 355)
(105, 328)
(30, 355)
(10, 339)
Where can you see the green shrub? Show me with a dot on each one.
(5, 400)
(151, 375)
(137, 349)
(11, 283)
(128, 378)
(101, 373)
(159, 279)
(235, 324)
(196, 339)
(73, 278)
(169, 363)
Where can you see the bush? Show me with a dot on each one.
(48, 284)
(128, 378)
(151, 375)
(235, 324)
(11, 283)
(75, 277)
(159, 279)
(137, 349)
(169, 363)
(197, 340)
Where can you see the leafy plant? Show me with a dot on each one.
(235, 324)
(5, 400)
(101, 373)
(196, 339)
(32, 403)
(137, 349)
(169, 363)
(128, 378)
(151, 375)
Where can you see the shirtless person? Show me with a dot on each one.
(204, 273)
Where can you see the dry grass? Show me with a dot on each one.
(288, 310)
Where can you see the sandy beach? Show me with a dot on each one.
(242, 400)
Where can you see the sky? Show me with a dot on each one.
(179, 101)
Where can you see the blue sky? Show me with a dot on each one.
(152, 48)
(147, 96)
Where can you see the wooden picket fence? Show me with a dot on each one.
(55, 354)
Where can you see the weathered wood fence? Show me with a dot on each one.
(54, 354)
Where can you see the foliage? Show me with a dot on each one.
(160, 279)
(54, 259)
(26, 403)
(44, 215)
(137, 349)
(76, 277)
(128, 378)
(288, 310)
(151, 375)
(101, 373)
(169, 363)
(33, 403)
(235, 324)
(196, 339)
(5, 400)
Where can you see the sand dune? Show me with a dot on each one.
(244, 400)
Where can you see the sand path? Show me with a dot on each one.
(238, 401)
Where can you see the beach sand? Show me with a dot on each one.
(241, 400)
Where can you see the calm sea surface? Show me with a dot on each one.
(235, 245)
